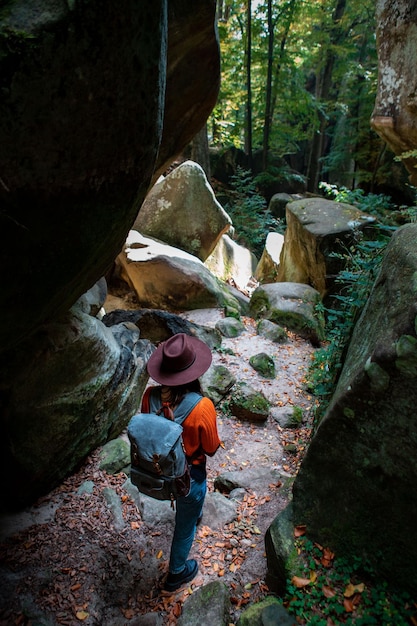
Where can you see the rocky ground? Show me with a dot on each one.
(71, 559)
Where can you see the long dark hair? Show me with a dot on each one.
(178, 392)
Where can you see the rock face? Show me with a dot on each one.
(356, 486)
(90, 109)
(315, 229)
(292, 305)
(394, 115)
(167, 278)
(267, 268)
(71, 387)
(232, 262)
(185, 201)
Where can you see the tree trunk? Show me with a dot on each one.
(200, 150)
(248, 134)
(323, 87)
(268, 100)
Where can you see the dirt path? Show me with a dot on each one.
(78, 564)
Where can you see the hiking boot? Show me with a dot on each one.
(175, 581)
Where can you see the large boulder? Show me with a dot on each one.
(232, 263)
(267, 268)
(394, 115)
(293, 305)
(95, 99)
(355, 490)
(70, 388)
(164, 277)
(185, 201)
(316, 230)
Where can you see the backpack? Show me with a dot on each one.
(159, 467)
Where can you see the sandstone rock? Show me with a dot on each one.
(167, 278)
(270, 330)
(211, 601)
(267, 268)
(394, 115)
(254, 478)
(185, 201)
(263, 364)
(279, 201)
(71, 388)
(217, 382)
(192, 75)
(281, 554)
(316, 229)
(293, 305)
(358, 494)
(231, 262)
(94, 102)
(230, 327)
(158, 326)
(257, 613)
(247, 403)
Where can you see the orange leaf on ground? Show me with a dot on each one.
(350, 604)
(327, 558)
(299, 582)
(328, 592)
(82, 615)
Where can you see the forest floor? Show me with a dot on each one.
(71, 563)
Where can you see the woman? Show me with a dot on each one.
(177, 364)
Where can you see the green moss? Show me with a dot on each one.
(406, 348)
(263, 364)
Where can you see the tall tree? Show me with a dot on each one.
(248, 124)
(324, 83)
(268, 90)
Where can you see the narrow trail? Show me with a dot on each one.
(71, 562)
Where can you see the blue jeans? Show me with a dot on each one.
(188, 511)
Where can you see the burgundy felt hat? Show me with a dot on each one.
(179, 360)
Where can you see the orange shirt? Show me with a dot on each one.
(199, 429)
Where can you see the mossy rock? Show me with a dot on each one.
(249, 404)
(263, 364)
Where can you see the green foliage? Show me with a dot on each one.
(340, 591)
(250, 216)
(361, 264)
(377, 205)
(323, 80)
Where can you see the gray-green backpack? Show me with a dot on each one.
(159, 467)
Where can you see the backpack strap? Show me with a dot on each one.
(181, 412)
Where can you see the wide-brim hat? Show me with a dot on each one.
(179, 360)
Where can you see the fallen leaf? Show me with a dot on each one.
(299, 582)
(327, 558)
(328, 592)
(82, 615)
(352, 589)
(350, 604)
